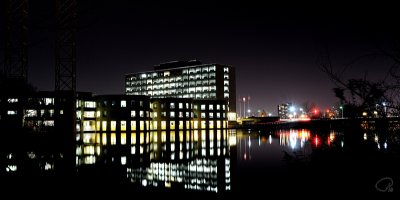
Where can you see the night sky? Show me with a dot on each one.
(274, 48)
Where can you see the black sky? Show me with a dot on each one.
(274, 48)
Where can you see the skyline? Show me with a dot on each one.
(273, 48)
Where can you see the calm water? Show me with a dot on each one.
(301, 160)
(229, 162)
(246, 161)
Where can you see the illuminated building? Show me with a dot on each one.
(185, 79)
(283, 110)
(37, 135)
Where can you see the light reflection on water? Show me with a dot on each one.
(230, 159)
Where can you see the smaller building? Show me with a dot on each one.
(283, 110)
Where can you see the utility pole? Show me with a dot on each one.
(16, 49)
(65, 76)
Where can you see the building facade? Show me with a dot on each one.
(186, 79)
(283, 110)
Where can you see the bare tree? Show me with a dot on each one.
(361, 94)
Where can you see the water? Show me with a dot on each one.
(237, 161)
(300, 160)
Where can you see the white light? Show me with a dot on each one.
(365, 136)
(270, 139)
(144, 182)
(292, 108)
(385, 145)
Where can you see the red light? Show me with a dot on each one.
(316, 141)
(327, 110)
(315, 111)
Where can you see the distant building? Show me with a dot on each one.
(283, 110)
(186, 79)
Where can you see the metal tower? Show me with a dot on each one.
(66, 24)
(16, 52)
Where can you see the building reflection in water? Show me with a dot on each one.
(192, 159)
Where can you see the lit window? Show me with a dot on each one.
(48, 101)
(49, 122)
(123, 138)
(12, 100)
(223, 107)
(218, 115)
(141, 113)
(163, 125)
(141, 138)
(211, 107)
(203, 106)
(203, 115)
(211, 115)
(133, 113)
(104, 139)
(104, 125)
(203, 124)
(155, 125)
(123, 125)
(11, 112)
(142, 125)
(123, 160)
(113, 125)
(123, 104)
(88, 114)
(172, 114)
(172, 105)
(155, 114)
(31, 113)
(88, 125)
(180, 105)
(133, 125)
(133, 138)
(89, 104)
(98, 126)
(113, 139)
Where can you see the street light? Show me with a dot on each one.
(341, 108)
(384, 107)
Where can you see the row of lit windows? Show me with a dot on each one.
(184, 84)
(34, 113)
(94, 138)
(172, 105)
(210, 107)
(123, 125)
(91, 125)
(197, 96)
